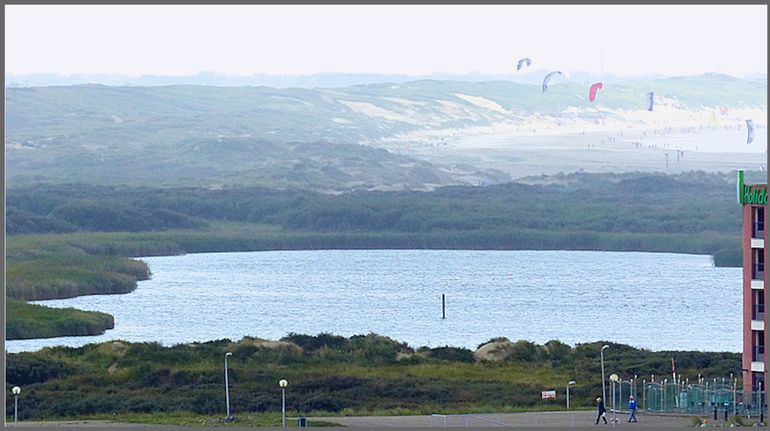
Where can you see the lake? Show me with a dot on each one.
(658, 301)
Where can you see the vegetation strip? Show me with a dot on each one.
(329, 375)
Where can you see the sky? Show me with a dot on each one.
(411, 40)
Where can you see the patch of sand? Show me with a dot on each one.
(482, 103)
(271, 344)
(371, 110)
(495, 351)
(405, 102)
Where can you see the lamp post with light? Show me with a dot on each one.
(16, 391)
(614, 380)
(283, 383)
(604, 391)
(570, 383)
(227, 386)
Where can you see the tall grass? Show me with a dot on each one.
(25, 320)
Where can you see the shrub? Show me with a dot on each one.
(453, 354)
(310, 343)
(375, 348)
(524, 351)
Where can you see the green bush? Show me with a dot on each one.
(311, 343)
(524, 351)
(453, 354)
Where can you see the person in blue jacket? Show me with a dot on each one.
(632, 409)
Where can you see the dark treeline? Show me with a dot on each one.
(693, 203)
(361, 374)
(687, 203)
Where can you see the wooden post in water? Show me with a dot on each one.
(443, 306)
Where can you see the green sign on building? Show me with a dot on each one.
(750, 194)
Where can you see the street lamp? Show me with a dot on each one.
(16, 391)
(571, 382)
(604, 391)
(283, 383)
(614, 380)
(227, 386)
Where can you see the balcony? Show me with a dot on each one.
(758, 230)
(758, 312)
(758, 354)
(758, 272)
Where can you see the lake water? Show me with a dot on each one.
(652, 300)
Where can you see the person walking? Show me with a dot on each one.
(602, 411)
(632, 409)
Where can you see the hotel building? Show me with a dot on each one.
(753, 198)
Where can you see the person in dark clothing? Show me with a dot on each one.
(602, 411)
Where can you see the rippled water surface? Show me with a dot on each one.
(652, 300)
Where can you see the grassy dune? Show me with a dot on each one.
(327, 374)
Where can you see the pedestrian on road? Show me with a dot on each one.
(632, 409)
(602, 411)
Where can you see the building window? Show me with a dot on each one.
(758, 264)
(758, 380)
(758, 353)
(758, 227)
(758, 305)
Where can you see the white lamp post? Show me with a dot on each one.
(570, 383)
(16, 391)
(614, 379)
(604, 391)
(283, 383)
(227, 386)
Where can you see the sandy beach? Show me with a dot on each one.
(667, 140)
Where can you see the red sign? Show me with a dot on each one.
(549, 395)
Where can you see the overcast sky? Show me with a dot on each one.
(413, 40)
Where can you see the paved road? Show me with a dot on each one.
(582, 419)
(78, 424)
(553, 419)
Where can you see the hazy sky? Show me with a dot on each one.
(245, 40)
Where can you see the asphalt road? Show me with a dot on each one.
(581, 419)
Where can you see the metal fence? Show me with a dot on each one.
(702, 397)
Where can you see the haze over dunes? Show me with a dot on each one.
(433, 132)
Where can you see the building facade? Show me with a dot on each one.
(753, 198)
